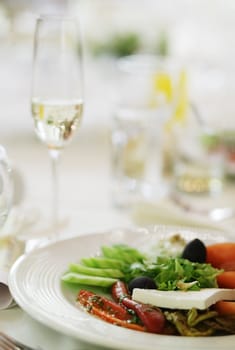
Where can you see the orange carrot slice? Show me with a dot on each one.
(220, 254)
(225, 307)
(226, 279)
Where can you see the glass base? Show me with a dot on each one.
(129, 192)
(215, 205)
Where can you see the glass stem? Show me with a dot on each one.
(55, 155)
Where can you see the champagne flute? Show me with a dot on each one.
(57, 89)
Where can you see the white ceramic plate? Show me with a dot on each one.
(35, 284)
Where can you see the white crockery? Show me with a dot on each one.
(35, 283)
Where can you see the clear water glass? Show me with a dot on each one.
(6, 186)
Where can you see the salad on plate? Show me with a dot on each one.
(172, 288)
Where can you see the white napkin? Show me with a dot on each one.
(11, 247)
(166, 212)
(22, 233)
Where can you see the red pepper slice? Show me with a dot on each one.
(152, 317)
(107, 310)
(119, 291)
(105, 304)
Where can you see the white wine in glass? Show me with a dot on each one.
(57, 89)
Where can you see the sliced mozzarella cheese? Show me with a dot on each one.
(183, 299)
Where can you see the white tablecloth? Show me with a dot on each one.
(85, 201)
(84, 180)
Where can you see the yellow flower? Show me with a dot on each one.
(177, 95)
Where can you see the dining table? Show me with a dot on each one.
(85, 199)
(86, 205)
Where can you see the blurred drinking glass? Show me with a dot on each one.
(6, 186)
(199, 161)
(145, 103)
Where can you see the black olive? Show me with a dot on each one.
(195, 251)
(143, 282)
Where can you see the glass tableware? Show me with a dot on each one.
(57, 94)
(199, 161)
(6, 187)
(145, 102)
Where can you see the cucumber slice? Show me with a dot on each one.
(103, 263)
(77, 278)
(94, 271)
(123, 253)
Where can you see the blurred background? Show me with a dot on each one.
(198, 35)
